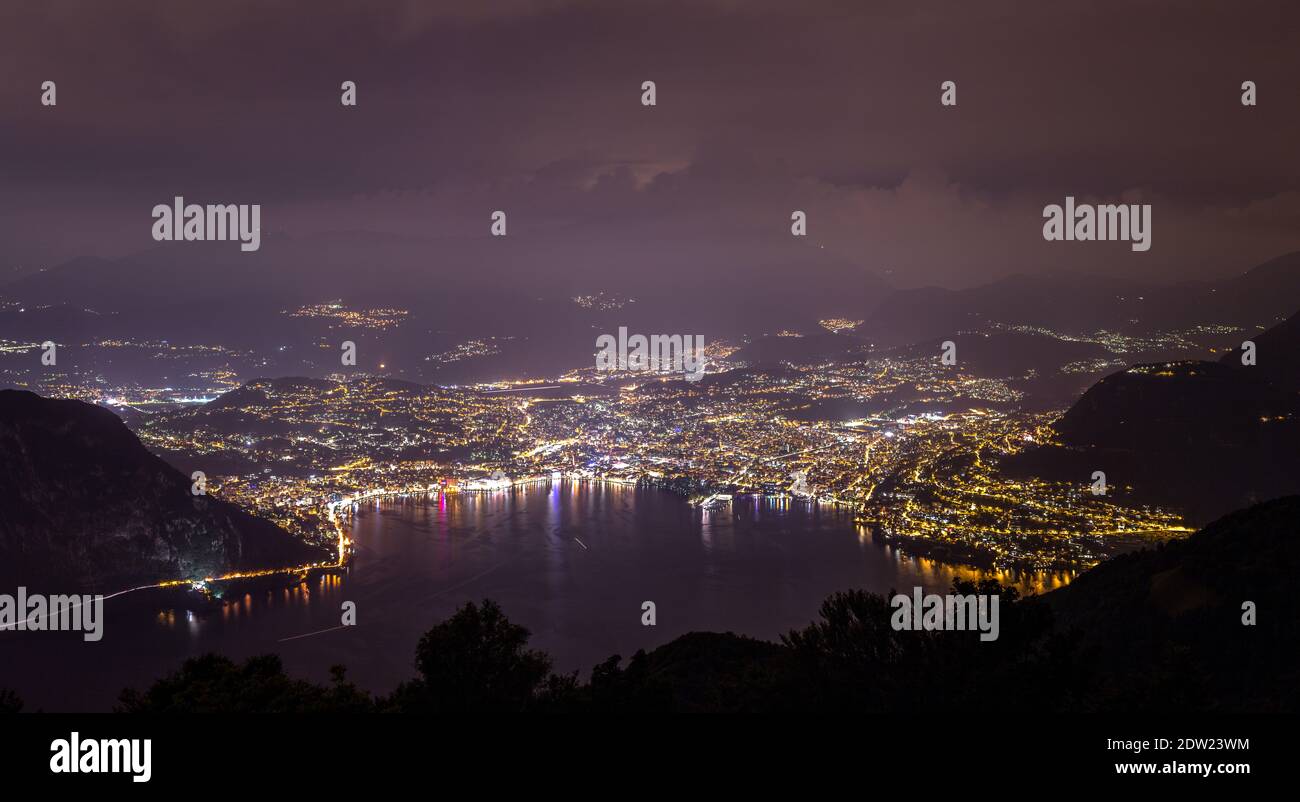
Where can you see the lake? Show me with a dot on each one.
(571, 561)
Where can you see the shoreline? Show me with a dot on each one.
(212, 593)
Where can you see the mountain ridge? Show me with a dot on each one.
(85, 503)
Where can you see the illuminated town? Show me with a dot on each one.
(917, 461)
(337, 315)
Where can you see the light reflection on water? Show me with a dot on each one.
(572, 561)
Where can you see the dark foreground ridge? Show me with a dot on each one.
(1160, 630)
(87, 508)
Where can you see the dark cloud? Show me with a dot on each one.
(763, 107)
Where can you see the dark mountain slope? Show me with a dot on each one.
(1259, 296)
(1202, 437)
(1168, 621)
(1176, 406)
(1277, 354)
(83, 505)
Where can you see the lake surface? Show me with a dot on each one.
(572, 561)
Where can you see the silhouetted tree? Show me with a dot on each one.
(852, 658)
(10, 702)
(477, 660)
(215, 684)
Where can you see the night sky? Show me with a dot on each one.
(763, 107)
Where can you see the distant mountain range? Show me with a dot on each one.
(1259, 297)
(782, 284)
(489, 285)
(520, 292)
(87, 507)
